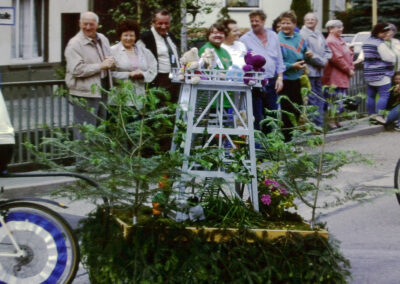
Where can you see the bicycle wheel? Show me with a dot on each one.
(52, 251)
(397, 179)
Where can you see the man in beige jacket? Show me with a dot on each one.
(89, 62)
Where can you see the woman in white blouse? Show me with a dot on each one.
(133, 61)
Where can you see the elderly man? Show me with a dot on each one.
(163, 46)
(266, 43)
(321, 54)
(89, 62)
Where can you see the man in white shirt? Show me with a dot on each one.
(163, 46)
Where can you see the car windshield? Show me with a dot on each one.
(347, 38)
(361, 37)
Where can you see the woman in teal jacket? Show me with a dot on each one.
(294, 52)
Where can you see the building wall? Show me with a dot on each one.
(5, 37)
(241, 15)
(23, 70)
(272, 8)
(56, 9)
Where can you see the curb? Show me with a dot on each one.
(28, 187)
(370, 130)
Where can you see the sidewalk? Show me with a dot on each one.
(36, 186)
(360, 127)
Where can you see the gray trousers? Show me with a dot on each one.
(82, 114)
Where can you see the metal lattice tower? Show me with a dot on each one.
(219, 113)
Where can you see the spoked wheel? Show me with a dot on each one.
(397, 179)
(51, 252)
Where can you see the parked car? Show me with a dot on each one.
(358, 41)
(348, 38)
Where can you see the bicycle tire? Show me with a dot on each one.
(51, 246)
(397, 179)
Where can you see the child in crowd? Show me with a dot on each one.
(393, 105)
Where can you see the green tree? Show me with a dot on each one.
(361, 14)
(301, 7)
(111, 12)
(223, 14)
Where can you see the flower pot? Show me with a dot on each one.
(223, 234)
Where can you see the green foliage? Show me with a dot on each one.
(124, 152)
(213, 158)
(275, 200)
(225, 212)
(360, 14)
(223, 14)
(142, 11)
(301, 8)
(231, 212)
(302, 164)
(163, 252)
(344, 16)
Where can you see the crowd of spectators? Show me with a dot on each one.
(290, 52)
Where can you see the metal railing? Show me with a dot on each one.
(358, 85)
(35, 110)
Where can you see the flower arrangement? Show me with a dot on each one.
(275, 199)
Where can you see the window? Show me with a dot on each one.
(243, 3)
(28, 32)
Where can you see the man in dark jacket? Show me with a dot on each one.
(164, 48)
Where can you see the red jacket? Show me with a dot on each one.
(337, 70)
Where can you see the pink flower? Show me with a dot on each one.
(266, 199)
(283, 191)
(273, 183)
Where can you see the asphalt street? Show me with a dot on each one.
(369, 232)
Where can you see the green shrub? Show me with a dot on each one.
(161, 251)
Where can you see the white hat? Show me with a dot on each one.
(333, 23)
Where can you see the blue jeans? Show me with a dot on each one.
(394, 114)
(316, 99)
(264, 98)
(384, 94)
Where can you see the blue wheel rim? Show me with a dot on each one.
(56, 234)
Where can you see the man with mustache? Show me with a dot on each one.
(164, 48)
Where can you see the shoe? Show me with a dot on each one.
(338, 125)
(378, 119)
(332, 125)
(396, 128)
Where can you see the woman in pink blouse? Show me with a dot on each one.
(338, 70)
